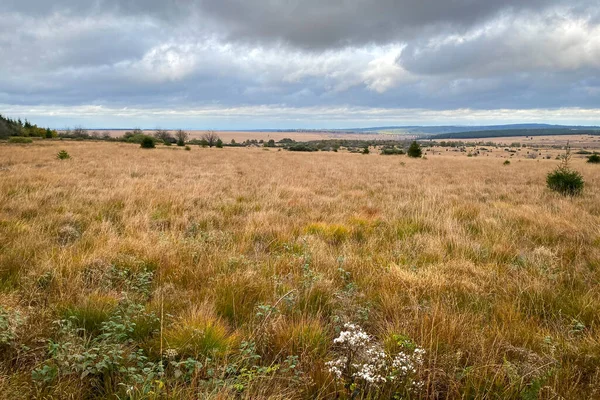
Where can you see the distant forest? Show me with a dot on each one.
(515, 132)
(10, 127)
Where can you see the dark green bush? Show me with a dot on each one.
(594, 159)
(301, 147)
(219, 144)
(506, 162)
(147, 143)
(565, 181)
(63, 155)
(414, 150)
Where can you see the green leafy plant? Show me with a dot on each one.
(63, 155)
(9, 322)
(506, 162)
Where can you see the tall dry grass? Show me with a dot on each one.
(478, 263)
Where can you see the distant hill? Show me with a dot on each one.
(517, 132)
(479, 130)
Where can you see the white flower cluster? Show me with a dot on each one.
(171, 354)
(406, 363)
(365, 360)
(338, 366)
(373, 368)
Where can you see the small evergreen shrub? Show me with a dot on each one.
(63, 155)
(594, 159)
(147, 143)
(365, 150)
(563, 179)
(414, 150)
(188, 148)
(180, 143)
(506, 162)
(219, 144)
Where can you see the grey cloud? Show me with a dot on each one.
(402, 54)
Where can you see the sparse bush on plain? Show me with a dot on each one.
(147, 143)
(563, 179)
(594, 159)
(182, 137)
(391, 150)
(63, 155)
(164, 136)
(209, 139)
(414, 150)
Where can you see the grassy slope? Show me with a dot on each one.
(478, 263)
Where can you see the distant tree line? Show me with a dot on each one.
(10, 127)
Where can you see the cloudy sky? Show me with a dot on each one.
(233, 64)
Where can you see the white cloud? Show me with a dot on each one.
(346, 115)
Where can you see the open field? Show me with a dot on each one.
(216, 273)
(241, 136)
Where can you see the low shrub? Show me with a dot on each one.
(506, 162)
(147, 143)
(63, 155)
(565, 181)
(594, 159)
(20, 139)
(388, 151)
(301, 147)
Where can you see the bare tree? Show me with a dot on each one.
(210, 138)
(182, 137)
(164, 135)
(79, 132)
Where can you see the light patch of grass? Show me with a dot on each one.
(331, 233)
(90, 313)
(200, 333)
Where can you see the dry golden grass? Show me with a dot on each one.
(495, 276)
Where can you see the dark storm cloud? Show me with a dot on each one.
(385, 54)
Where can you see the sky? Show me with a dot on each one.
(241, 64)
